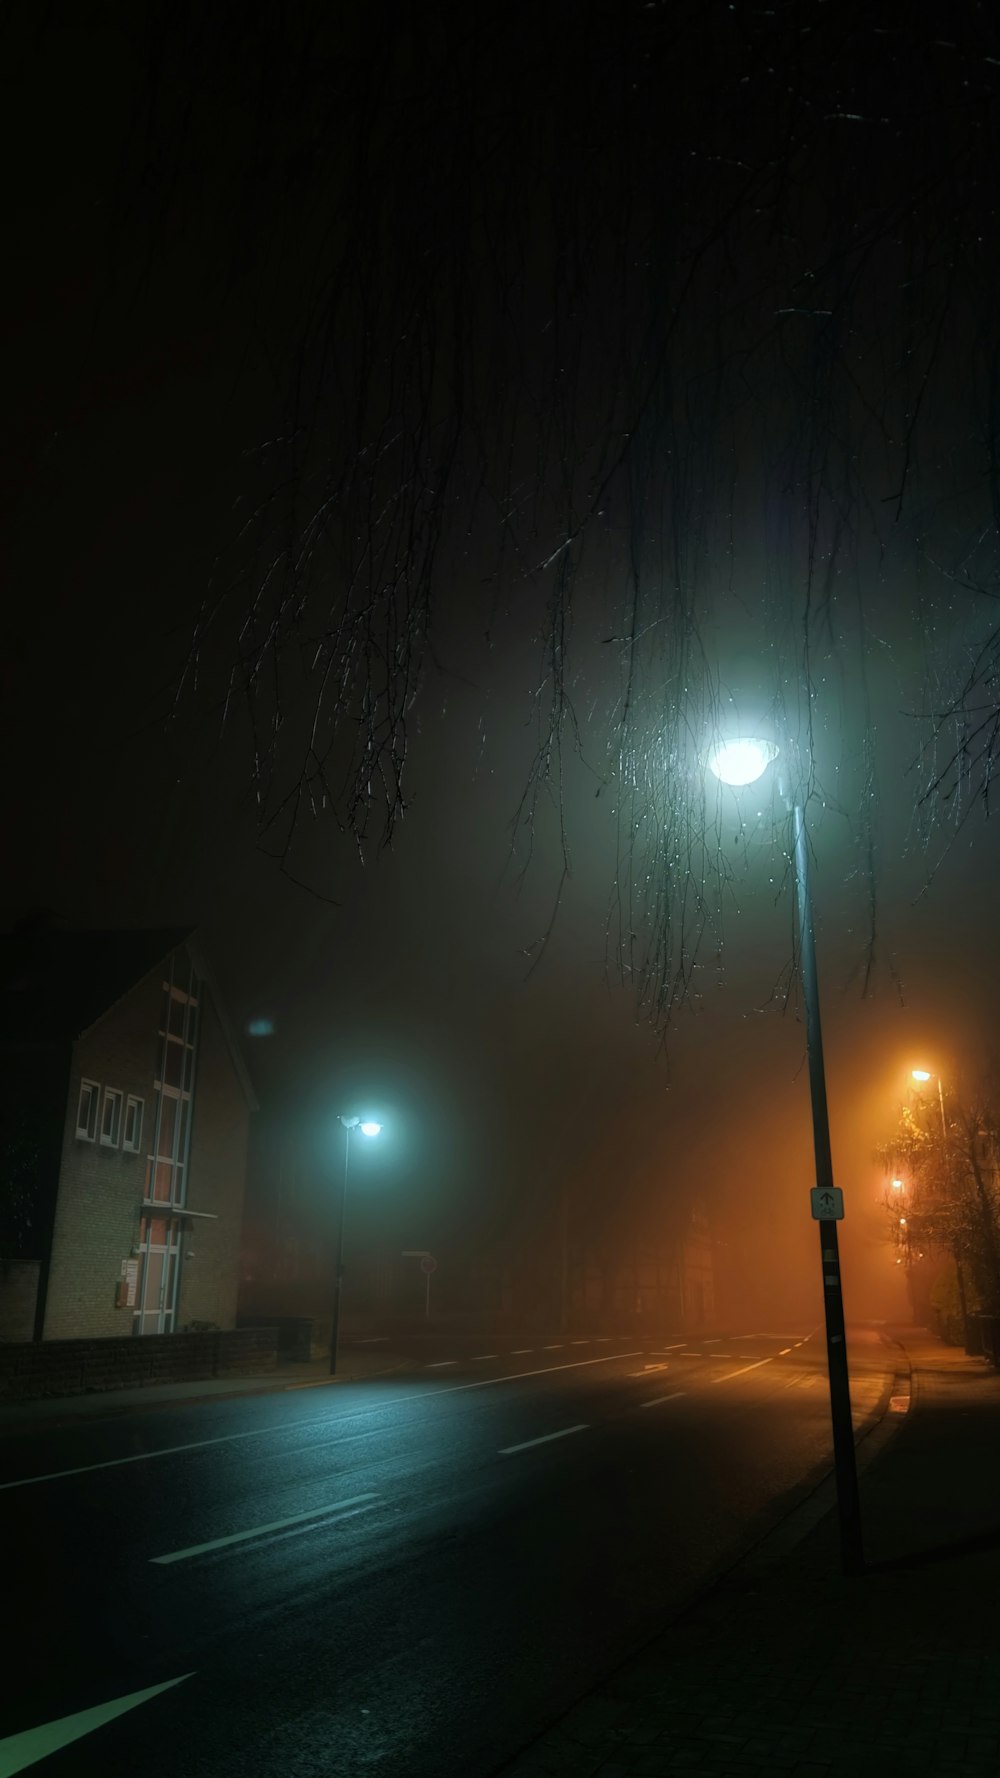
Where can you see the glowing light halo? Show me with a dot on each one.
(742, 761)
(369, 1127)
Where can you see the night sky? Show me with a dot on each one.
(559, 382)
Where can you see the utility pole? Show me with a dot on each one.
(844, 1462)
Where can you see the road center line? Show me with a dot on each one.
(546, 1438)
(481, 1357)
(328, 1512)
(658, 1400)
(441, 1364)
(296, 1426)
(522, 1351)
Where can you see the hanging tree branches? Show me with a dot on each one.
(669, 325)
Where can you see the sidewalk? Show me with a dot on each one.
(787, 1670)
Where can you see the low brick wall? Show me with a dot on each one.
(78, 1367)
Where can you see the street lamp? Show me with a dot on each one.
(922, 1075)
(740, 762)
(368, 1128)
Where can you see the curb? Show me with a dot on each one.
(43, 1423)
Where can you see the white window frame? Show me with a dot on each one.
(113, 1099)
(87, 1131)
(133, 1102)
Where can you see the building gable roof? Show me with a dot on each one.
(54, 986)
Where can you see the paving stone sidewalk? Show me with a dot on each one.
(788, 1670)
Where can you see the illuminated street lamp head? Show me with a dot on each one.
(897, 1185)
(743, 761)
(919, 1074)
(368, 1128)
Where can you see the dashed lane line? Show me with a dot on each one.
(744, 1368)
(441, 1364)
(283, 1428)
(658, 1400)
(481, 1357)
(546, 1438)
(329, 1514)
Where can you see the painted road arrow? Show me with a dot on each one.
(27, 1748)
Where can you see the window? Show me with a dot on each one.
(111, 1118)
(133, 1124)
(86, 1115)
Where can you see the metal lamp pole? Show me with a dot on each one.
(737, 763)
(845, 1466)
(349, 1123)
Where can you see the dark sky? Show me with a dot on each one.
(162, 286)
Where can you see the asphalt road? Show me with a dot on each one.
(410, 1577)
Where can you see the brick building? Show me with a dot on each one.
(124, 1118)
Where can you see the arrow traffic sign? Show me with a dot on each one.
(827, 1203)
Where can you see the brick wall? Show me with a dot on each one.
(210, 1253)
(18, 1291)
(79, 1367)
(101, 1189)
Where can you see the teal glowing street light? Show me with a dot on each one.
(737, 763)
(368, 1127)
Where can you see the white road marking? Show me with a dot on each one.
(717, 1341)
(784, 1351)
(31, 1745)
(328, 1513)
(674, 1348)
(743, 1369)
(522, 1351)
(556, 1348)
(227, 1438)
(481, 1357)
(718, 1354)
(441, 1364)
(660, 1399)
(687, 1354)
(546, 1438)
(579, 1342)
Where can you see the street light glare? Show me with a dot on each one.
(743, 761)
(370, 1129)
(919, 1074)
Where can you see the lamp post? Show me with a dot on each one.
(922, 1076)
(737, 763)
(367, 1128)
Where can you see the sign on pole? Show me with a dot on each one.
(827, 1203)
